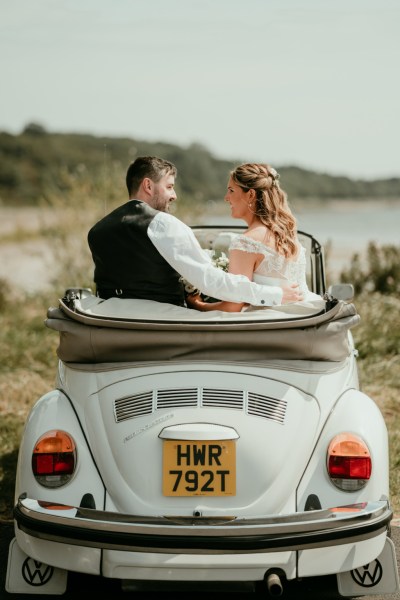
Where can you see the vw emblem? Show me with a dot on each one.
(36, 573)
(368, 575)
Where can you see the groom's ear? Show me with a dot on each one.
(147, 185)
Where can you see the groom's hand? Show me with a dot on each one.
(291, 293)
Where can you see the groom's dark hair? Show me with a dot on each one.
(147, 166)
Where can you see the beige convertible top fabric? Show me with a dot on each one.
(93, 332)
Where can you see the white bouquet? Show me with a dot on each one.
(219, 260)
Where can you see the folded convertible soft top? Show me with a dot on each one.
(93, 330)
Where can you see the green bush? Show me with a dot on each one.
(381, 273)
(378, 334)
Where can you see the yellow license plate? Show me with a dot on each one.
(199, 468)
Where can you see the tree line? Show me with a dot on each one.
(36, 163)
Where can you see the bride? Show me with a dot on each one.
(269, 251)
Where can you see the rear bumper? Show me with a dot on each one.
(203, 535)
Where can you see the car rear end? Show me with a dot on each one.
(204, 472)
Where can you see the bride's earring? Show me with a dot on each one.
(250, 204)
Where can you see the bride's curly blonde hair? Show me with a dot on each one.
(271, 205)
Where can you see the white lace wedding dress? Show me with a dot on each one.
(275, 268)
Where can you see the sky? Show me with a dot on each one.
(311, 83)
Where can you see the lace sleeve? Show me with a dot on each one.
(244, 243)
(300, 274)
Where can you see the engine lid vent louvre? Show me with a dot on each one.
(269, 408)
(258, 405)
(223, 398)
(133, 406)
(177, 398)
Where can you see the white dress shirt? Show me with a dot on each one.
(177, 243)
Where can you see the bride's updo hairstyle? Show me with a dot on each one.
(271, 205)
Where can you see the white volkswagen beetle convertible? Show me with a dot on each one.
(188, 450)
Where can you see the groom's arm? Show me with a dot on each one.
(177, 243)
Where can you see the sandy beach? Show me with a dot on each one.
(25, 262)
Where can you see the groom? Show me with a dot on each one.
(141, 251)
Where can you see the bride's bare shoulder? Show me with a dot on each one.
(261, 234)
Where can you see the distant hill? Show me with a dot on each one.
(37, 163)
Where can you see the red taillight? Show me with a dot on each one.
(349, 462)
(54, 458)
(53, 464)
(349, 468)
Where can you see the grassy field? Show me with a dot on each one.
(28, 348)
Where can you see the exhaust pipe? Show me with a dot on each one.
(274, 584)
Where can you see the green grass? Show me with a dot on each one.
(11, 428)
(377, 339)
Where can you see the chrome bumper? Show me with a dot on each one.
(201, 535)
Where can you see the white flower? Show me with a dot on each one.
(189, 288)
(219, 260)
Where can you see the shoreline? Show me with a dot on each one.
(344, 228)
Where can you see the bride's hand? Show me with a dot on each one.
(291, 293)
(194, 301)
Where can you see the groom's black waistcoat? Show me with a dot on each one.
(127, 264)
